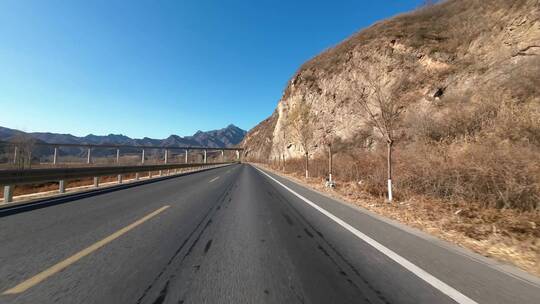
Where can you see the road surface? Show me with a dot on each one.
(235, 235)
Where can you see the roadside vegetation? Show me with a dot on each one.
(445, 102)
(472, 178)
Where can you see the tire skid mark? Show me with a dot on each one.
(287, 219)
(207, 247)
(203, 230)
(302, 219)
(206, 220)
(162, 294)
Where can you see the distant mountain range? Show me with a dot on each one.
(226, 137)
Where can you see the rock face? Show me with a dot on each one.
(453, 56)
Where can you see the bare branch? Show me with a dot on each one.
(381, 103)
(24, 144)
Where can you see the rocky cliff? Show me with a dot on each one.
(461, 58)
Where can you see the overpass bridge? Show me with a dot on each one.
(20, 167)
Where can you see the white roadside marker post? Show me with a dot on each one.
(118, 163)
(8, 194)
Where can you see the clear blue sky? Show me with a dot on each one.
(155, 68)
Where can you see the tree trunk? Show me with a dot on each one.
(307, 165)
(389, 159)
(330, 163)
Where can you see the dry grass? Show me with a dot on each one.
(441, 30)
(488, 175)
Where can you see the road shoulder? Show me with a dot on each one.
(501, 267)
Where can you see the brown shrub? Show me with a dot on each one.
(494, 175)
(489, 174)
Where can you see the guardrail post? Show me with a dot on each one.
(186, 156)
(96, 181)
(165, 160)
(55, 157)
(204, 156)
(15, 155)
(118, 162)
(222, 156)
(237, 155)
(89, 156)
(137, 176)
(142, 157)
(8, 194)
(61, 186)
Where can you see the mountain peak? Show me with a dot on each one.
(226, 137)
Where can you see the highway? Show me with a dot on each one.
(235, 235)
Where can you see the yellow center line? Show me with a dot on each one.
(79, 255)
(214, 179)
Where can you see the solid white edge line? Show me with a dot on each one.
(419, 272)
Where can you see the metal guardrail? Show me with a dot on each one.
(22, 156)
(30, 176)
(9, 178)
(19, 148)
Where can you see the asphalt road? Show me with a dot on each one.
(235, 235)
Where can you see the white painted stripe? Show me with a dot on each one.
(214, 179)
(419, 272)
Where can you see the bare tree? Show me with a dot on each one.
(383, 105)
(328, 143)
(282, 146)
(301, 123)
(22, 154)
(329, 138)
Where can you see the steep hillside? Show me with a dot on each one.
(457, 58)
(464, 77)
(464, 74)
